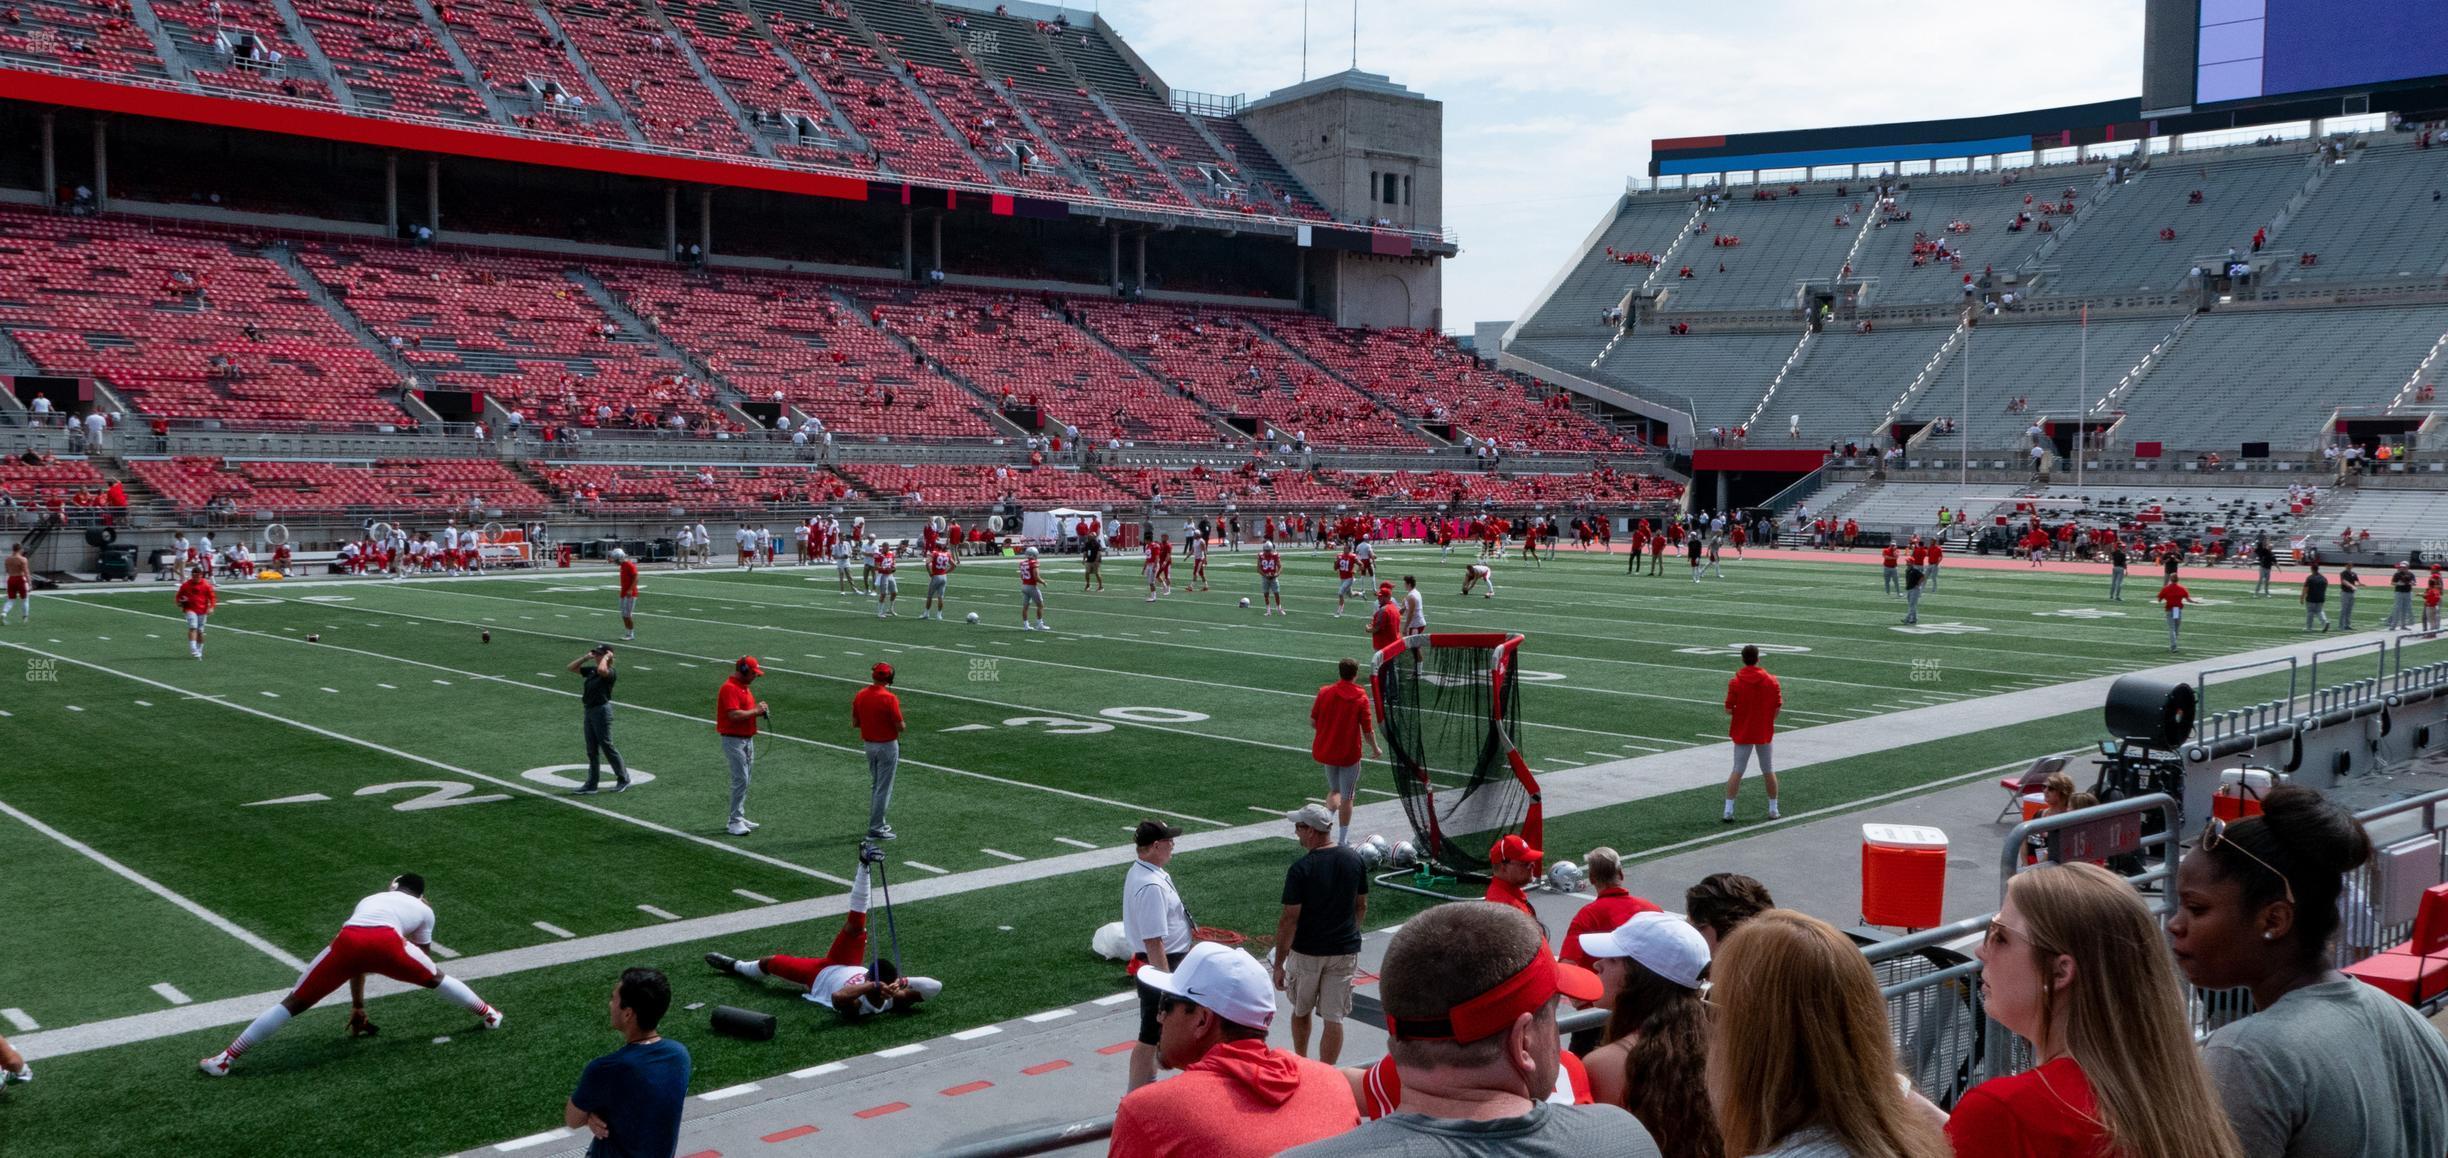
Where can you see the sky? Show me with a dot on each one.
(1551, 104)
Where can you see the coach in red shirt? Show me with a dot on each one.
(1340, 718)
(1385, 626)
(736, 712)
(1752, 699)
(1512, 865)
(1614, 905)
(877, 712)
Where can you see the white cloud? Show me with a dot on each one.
(1550, 104)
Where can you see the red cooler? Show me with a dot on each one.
(1903, 876)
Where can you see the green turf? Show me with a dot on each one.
(1014, 748)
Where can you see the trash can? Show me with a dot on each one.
(1903, 876)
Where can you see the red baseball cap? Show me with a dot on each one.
(1512, 849)
(882, 671)
(748, 665)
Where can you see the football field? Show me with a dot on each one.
(175, 833)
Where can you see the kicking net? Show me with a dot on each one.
(1450, 711)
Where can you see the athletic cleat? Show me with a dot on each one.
(721, 963)
(584, 790)
(218, 1065)
(752, 824)
(492, 1018)
(623, 786)
(884, 833)
(737, 830)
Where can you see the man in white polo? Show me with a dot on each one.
(1157, 926)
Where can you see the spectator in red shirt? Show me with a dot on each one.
(1341, 717)
(736, 712)
(1752, 698)
(1613, 906)
(1512, 865)
(1235, 1096)
(877, 712)
(2073, 963)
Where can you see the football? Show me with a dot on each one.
(972, 617)
(1245, 601)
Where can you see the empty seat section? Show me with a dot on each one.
(1428, 378)
(1748, 254)
(1640, 231)
(915, 34)
(2276, 377)
(239, 44)
(1845, 384)
(769, 334)
(2042, 364)
(1265, 174)
(1984, 226)
(389, 59)
(528, 68)
(641, 489)
(894, 121)
(1194, 163)
(634, 56)
(163, 315)
(1061, 107)
(1238, 370)
(1007, 345)
(969, 486)
(103, 37)
(2376, 216)
(2116, 245)
(1460, 489)
(516, 329)
(1718, 377)
(747, 66)
(33, 486)
(291, 487)
(1247, 485)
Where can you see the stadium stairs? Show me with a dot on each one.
(610, 303)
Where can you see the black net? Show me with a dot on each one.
(1451, 757)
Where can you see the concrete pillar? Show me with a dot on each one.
(1721, 490)
(935, 231)
(1139, 261)
(671, 221)
(705, 221)
(909, 246)
(1113, 254)
(391, 195)
(101, 166)
(1300, 277)
(50, 160)
(433, 194)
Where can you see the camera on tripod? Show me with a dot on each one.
(2150, 719)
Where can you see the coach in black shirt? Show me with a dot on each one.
(1317, 942)
(595, 697)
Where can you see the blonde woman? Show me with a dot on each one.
(1800, 1064)
(2074, 963)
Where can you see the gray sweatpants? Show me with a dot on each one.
(740, 753)
(2346, 608)
(2316, 614)
(2261, 586)
(882, 760)
(2175, 624)
(1895, 582)
(598, 728)
(2402, 615)
(2116, 584)
(1912, 605)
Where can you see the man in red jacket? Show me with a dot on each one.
(1341, 718)
(197, 598)
(1235, 1096)
(1752, 699)
(877, 712)
(1385, 625)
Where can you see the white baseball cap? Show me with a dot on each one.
(1225, 981)
(1666, 945)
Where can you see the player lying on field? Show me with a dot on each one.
(844, 980)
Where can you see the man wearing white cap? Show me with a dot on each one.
(1235, 1096)
(1656, 961)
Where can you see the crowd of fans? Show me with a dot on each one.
(1741, 1028)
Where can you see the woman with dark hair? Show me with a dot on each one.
(2327, 1067)
(1721, 902)
(1654, 1061)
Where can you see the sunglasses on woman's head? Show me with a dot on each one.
(2214, 834)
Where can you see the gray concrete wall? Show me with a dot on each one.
(1359, 289)
(1342, 141)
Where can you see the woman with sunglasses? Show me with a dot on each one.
(2327, 1067)
(1800, 1062)
(2073, 964)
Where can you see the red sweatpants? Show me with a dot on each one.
(849, 948)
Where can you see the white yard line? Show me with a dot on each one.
(18, 1020)
(171, 994)
(759, 898)
(158, 889)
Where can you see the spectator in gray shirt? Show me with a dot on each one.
(1470, 997)
(2328, 1067)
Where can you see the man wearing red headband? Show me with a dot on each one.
(1470, 997)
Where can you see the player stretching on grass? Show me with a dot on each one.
(1477, 575)
(1270, 579)
(390, 933)
(844, 980)
(197, 598)
(1032, 593)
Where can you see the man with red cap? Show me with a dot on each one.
(1512, 865)
(1470, 996)
(736, 712)
(1385, 624)
(877, 712)
(1235, 1095)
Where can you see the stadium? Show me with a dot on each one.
(417, 409)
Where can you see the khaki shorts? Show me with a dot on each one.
(1320, 985)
